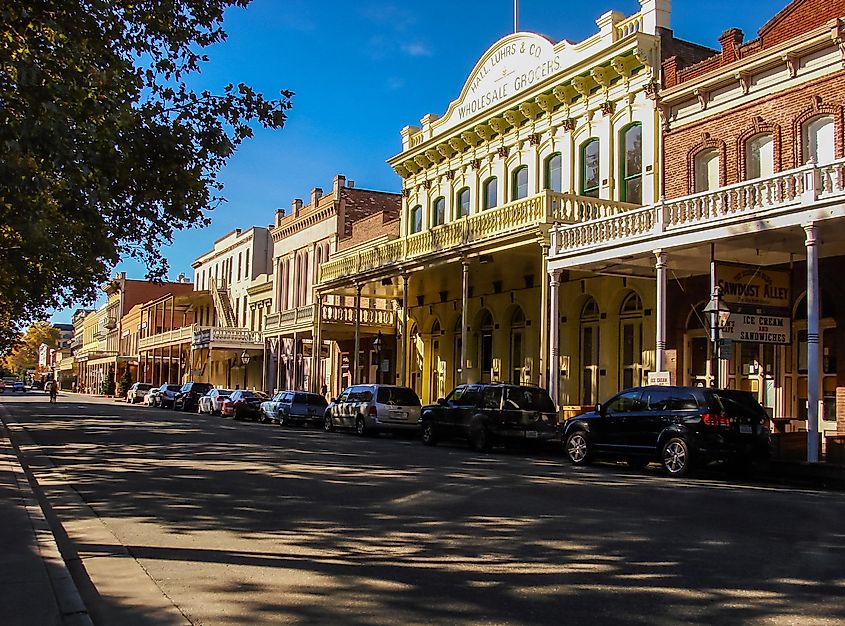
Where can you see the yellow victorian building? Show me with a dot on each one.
(542, 133)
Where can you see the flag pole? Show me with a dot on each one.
(516, 16)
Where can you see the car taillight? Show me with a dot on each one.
(716, 420)
(372, 411)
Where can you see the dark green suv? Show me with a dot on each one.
(487, 414)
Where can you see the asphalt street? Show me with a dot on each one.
(169, 517)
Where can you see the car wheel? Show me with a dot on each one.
(675, 457)
(578, 448)
(281, 419)
(328, 425)
(361, 426)
(479, 438)
(427, 433)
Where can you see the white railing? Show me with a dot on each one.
(782, 191)
(333, 313)
(200, 334)
(184, 334)
(514, 218)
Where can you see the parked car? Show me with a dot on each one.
(137, 392)
(212, 401)
(166, 395)
(294, 406)
(371, 408)
(243, 404)
(187, 398)
(677, 426)
(151, 399)
(486, 414)
(18, 386)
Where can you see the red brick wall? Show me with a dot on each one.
(140, 291)
(357, 204)
(782, 115)
(370, 227)
(799, 17)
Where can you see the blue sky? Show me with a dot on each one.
(363, 70)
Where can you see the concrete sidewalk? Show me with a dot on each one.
(35, 586)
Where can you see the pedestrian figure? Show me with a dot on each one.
(54, 390)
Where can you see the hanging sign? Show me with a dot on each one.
(744, 284)
(756, 329)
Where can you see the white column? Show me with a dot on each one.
(355, 380)
(812, 344)
(403, 374)
(544, 365)
(464, 317)
(554, 336)
(660, 334)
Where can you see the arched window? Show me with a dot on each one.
(631, 161)
(517, 355)
(590, 161)
(519, 183)
(631, 342)
(817, 141)
(553, 173)
(462, 203)
(438, 211)
(707, 170)
(490, 190)
(590, 316)
(759, 156)
(416, 219)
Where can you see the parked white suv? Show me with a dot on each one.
(370, 408)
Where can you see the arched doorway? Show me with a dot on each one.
(485, 346)
(590, 316)
(437, 383)
(697, 359)
(631, 341)
(415, 361)
(796, 364)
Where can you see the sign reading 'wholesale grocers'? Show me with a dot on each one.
(743, 284)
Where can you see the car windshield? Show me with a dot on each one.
(397, 396)
(224, 392)
(528, 399)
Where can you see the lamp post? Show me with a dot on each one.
(245, 361)
(719, 313)
(377, 346)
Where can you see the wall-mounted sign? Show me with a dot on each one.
(663, 379)
(743, 284)
(757, 329)
(202, 337)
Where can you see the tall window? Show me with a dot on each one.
(590, 176)
(631, 156)
(416, 219)
(462, 204)
(553, 178)
(490, 193)
(240, 264)
(517, 346)
(818, 140)
(590, 316)
(759, 156)
(707, 170)
(438, 211)
(631, 341)
(485, 347)
(519, 183)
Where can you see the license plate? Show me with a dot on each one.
(746, 429)
(399, 415)
(531, 434)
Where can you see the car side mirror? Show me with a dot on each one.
(598, 408)
(441, 401)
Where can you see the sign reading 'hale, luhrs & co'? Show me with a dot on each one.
(741, 284)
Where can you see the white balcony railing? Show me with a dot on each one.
(514, 218)
(206, 336)
(781, 192)
(331, 314)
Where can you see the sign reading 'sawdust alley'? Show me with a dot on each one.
(743, 284)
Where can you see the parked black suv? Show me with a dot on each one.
(189, 395)
(488, 414)
(678, 426)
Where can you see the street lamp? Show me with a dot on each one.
(719, 313)
(245, 361)
(377, 346)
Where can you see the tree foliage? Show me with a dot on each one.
(24, 356)
(125, 382)
(107, 150)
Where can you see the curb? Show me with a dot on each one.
(72, 609)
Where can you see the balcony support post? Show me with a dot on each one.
(544, 368)
(295, 362)
(404, 339)
(317, 347)
(660, 331)
(812, 343)
(464, 307)
(356, 359)
(554, 335)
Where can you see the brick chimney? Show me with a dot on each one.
(296, 207)
(731, 41)
(338, 183)
(280, 215)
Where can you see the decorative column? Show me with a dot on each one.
(554, 336)
(404, 347)
(317, 347)
(812, 343)
(464, 307)
(660, 330)
(357, 334)
(544, 365)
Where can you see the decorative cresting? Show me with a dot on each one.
(784, 191)
(512, 219)
(515, 65)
